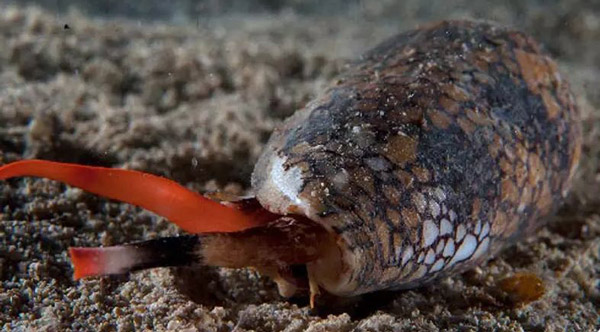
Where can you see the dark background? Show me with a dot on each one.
(563, 26)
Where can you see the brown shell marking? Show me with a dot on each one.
(432, 151)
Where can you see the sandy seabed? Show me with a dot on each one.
(196, 103)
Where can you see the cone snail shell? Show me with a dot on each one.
(429, 154)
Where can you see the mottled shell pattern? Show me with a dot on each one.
(432, 151)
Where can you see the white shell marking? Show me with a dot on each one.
(430, 232)
(465, 250)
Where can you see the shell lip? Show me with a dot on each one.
(279, 189)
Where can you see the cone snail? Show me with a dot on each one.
(427, 155)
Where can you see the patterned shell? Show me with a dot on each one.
(430, 153)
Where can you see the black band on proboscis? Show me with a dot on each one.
(168, 251)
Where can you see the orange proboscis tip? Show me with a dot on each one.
(191, 211)
(87, 262)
